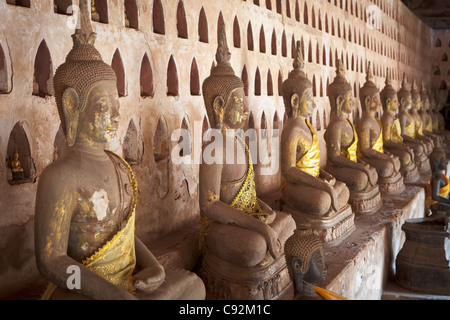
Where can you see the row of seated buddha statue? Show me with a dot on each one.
(87, 219)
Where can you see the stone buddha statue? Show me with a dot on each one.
(417, 104)
(440, 186)
(408, 131)
(16, 168)
(427, 120)
(241, 237)
(370, 139)
(392, 133)
(342, 142)
(314, 197)
(86, 200)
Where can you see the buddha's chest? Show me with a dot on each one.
(102, 206)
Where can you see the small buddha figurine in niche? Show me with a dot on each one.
(16, 168)
(408, 131)
(241, 236)
(342, 141)
(417, 104)
(305, 260)
(87, 219)
(392, 135)
(310, 194)
(370, 139)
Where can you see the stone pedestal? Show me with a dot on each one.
(331, 227)
(360, 266)
(269, 280)
(365, 202)
(392, 185)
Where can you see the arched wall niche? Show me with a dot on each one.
(146, 78)
(20, 3)
(158, 17)
(172, 78)
(133, 150)
(43, 72)
(161, 156)
(185, 146)
(5, 70)
(99, 11)
(117, 66)
(203, 34)
(18, 141)
(131, 14)
(62, 7)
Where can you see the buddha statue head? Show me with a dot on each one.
(340, 92)
(438, 160)
(223, 91)
(85, 89)
(416, 97)
(369, 94)
(297, 89)
(424, 97)
(305, 259)
(404, 95)
(388, 95)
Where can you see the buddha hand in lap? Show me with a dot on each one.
(370, 132)
(342, 139)
(392, 136)
(305, 186)
(87, 219)
(237, 227)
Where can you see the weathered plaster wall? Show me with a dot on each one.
(327, 29)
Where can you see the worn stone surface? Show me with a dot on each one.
(359, 267)
(400, 42)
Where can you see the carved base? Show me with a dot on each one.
(269, 280)
(364, 202)
(330, 227)
(424, 165)
(392, 185)
(410, 174)
(423, 262)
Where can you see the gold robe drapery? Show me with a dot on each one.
(351, 151)
(245, 200)
(115, 261)
(310, 162)
(410, 130)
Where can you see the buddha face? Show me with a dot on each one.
(236, 110)
(426, 105)
(392, 104)
(100, 119)
(317, 271)
(346, 103)
(307, 105)
(417, 103)
(406, 103)
(373, 104)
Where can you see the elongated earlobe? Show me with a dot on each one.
(71, 111)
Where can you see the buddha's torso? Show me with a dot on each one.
(103, 199)
(303, 139)
(406, 120)
(234, 174)
(369, 125)
(347, 133)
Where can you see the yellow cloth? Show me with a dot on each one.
(378, 145)
(444, 191)
(245, 200)
(116, 260)
(310, 162)
(410, 130)
(419, 130)
(351, 151)
(429, 126)
(396, 132)
(435, 123)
